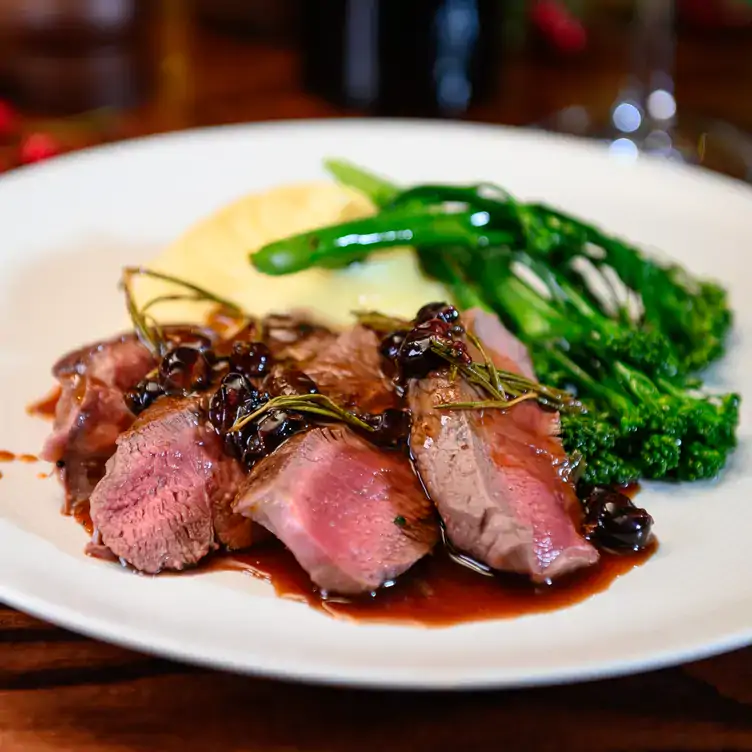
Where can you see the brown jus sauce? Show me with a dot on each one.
(436, 592)
(6, 456)
(81, 515)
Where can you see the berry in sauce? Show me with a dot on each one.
(613, 522)
(278, 425)
(391, 428)
(391, 344)
(442, 311)
(286, 382)
(252, 359)
(183, 369)
(234, 395)
(143, 395)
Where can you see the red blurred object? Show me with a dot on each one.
(558, 27)
(37, 147)
(8, 120)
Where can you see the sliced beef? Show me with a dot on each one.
(295, 337)
(165, 501)
(500, 479)
(353, 516)
(91, 411)
(349, 371)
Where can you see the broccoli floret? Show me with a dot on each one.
(660, 454)
(700, 461)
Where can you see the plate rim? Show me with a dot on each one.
(108, 631)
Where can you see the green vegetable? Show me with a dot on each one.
(379, 190)
(626, 347)
(353, 241)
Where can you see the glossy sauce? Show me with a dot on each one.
(81, 515)
(6, 456)
(435, 592)
(45, 407)
(630, 490)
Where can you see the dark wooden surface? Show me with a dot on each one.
(60, 691)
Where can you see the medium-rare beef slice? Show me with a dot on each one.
(353, 516)
(165, 500)
(500, 479)
(348, 370)
(91, 411)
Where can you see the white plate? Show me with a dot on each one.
(67, 228)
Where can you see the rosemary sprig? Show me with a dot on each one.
(151, 334)
(489, 404)
(140, 323)
(314, 404)
(199, 291)
(490, 367)
(512, 387)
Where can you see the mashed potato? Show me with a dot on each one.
(214, 254)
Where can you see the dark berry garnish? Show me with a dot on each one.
(234, 397)
(442, 311)
(613, 522)
(251, 446)
(252, 359)
(391, 428)
(391, 344)
(278, 425)
(286, 382)
(184, 369)
(143, 395)
(258, 439)
(413, 351)
(416, 359)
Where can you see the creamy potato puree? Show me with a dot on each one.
(214, 254)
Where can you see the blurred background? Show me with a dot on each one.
(669, 77)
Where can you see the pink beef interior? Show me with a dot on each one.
(166, 496)
(354, 517)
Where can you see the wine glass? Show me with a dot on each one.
(644, 117)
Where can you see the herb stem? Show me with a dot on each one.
(315, 404)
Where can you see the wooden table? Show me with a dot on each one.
(59, 691)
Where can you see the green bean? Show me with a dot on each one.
(380, 191)
(353, 241)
